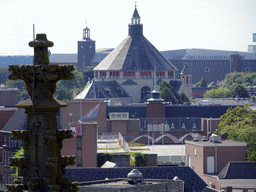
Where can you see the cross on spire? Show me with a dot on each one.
(135, 4)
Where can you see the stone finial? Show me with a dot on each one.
(41, 45)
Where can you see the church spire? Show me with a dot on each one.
(135, 16)
(86, 33)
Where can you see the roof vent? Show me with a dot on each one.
(195, 136)
(135, 177)
(176, 178)
(204, 138)
(215, 138)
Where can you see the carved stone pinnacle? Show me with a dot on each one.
(41, 45)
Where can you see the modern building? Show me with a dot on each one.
(208, 157)
(83, 145)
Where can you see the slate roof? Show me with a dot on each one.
(101, 89)
(238, 170)
(175, 54)
(129, 82)
(135, 14)
(215, 54)
(72, 57)
(204, 54)
(175, 84)
(185, 70)
(192, 182)
(135, 52)
(17, 122)
(63, 58)
(16, 60)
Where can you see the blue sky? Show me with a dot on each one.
(168, 24)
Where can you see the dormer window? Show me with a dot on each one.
(145, 74)
(108, 91)
(129, 74)
(170, 74)
(102, 74)
(114, 74)
(160, 74)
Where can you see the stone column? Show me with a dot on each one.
(42, 167)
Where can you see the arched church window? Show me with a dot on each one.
(247, 69)
(207, 69)
(144, 91)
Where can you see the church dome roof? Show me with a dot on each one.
(135, 52)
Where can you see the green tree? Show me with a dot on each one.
(202, 82)
(16, 84)
(88, 73)
(184, 97)
(239, 90)
(168, 93)
(3, 74)
(239, 124)
(221, 92)
(239, 78)
(64, 88)
(18, 154)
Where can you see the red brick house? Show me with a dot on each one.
(208, 158)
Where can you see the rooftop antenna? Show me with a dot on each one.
(154, 79)
(33, 88)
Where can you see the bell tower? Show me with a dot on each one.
(86, 50)
(135, 28)
(186, 79)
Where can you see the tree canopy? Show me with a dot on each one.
(168, 93)
(88, 73)
(233, 86)
(239, 124)
(64, 88)
(221, 92)
(240, 78)
(202, 82)
(3, 74)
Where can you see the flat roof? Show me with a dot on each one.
(122, 183)
(211, 144)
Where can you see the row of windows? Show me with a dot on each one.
(7, 158)
(13, 143)
(7, 179)
(143, 74)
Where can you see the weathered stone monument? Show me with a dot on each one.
(42, 167)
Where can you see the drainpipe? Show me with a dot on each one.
(216, 159)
